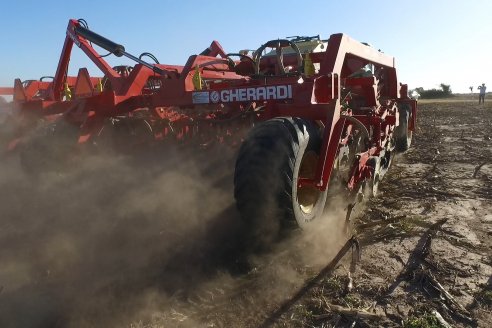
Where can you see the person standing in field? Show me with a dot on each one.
(481, 95)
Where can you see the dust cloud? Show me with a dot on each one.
(152, 241)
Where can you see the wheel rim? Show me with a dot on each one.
(308, 196)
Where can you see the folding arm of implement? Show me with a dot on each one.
(122, 86)
(125, 87)
(87, 100)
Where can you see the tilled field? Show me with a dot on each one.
(153, 243)
(426, 240)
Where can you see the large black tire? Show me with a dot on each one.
(270, 161)
(403, 136)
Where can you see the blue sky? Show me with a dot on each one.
(433, 41)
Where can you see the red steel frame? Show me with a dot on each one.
(316, 98)
(92, 105)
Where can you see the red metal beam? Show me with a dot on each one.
(4, 91)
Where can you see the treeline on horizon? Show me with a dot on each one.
(443, 92)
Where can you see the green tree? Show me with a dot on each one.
(446, 88)
(443, 92)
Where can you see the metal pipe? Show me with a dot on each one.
(144, 63)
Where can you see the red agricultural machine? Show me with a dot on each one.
(319, 112)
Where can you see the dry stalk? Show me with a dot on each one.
(477, 169)
(441, 320)
(350, 313)
(310, 284)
